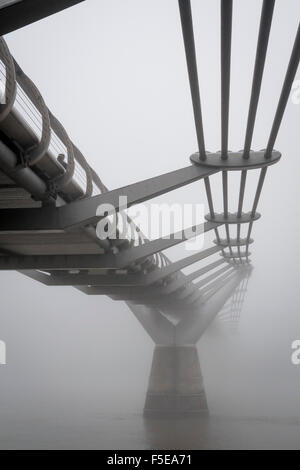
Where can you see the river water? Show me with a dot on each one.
(133, 431)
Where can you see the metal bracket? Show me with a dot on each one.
(236, 160)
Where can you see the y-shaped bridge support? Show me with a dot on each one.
(176, 383)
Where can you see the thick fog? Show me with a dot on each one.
(114, 74)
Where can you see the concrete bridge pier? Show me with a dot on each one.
(175, 382)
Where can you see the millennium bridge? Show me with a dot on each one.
(50, 195)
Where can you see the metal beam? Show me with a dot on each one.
(49, 262)
(105, 261)
(140, 297)
(211, 289)
(23, 263)
(184, 280)
(137, 279)
(122, 292)
(135, 254)
(285, 92)
(15, 14)
(261, 52)
(218, 283)
(213, 276)
(176, 266)
(83, 212)
(226, 29)
(189, 332)
(190, 52)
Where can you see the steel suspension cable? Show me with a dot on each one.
(190, 53)
(260, 58)
(261, 52)
(261, 180)
(240, 207)
(226, 32)
(286, 88)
